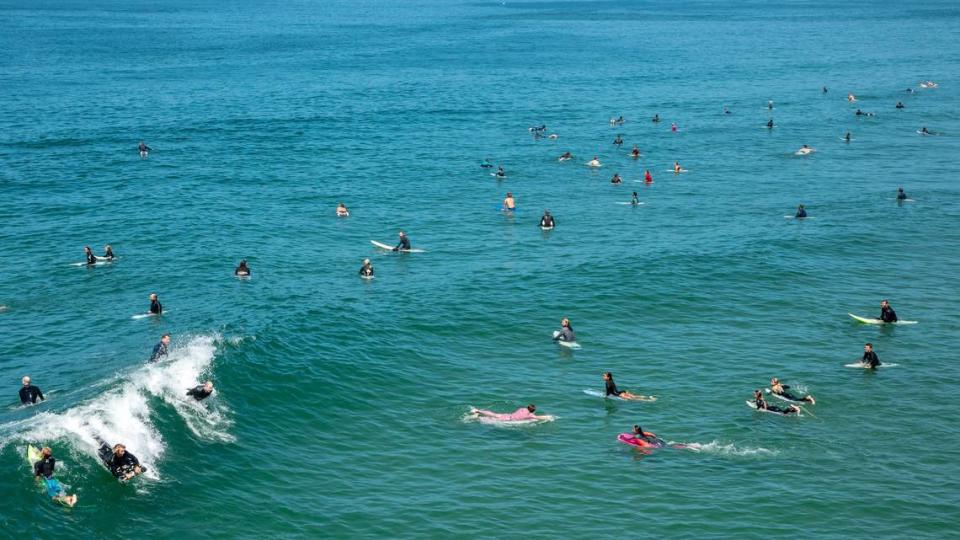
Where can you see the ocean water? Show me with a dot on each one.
(341, 403)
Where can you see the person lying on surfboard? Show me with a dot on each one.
(870, 358)
(639, 433)
(780, 389)
(763, 406)
(122, 464)
(610, 388)
(242, 270)
(201, 391)
(523, 413)
(43, 469)
(404, 243)
(887, 314)
(160, 349)
(565, 333)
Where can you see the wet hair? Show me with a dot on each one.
(165, 335)
(638, 429)
(608, 374)
(531, 407)
(868, 345)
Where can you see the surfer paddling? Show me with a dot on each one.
(610, 389)
(523, 413)
(43, 470)
(201, 391)
(780, 389)
(762, 405)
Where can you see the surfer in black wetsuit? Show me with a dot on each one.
(108, 253)
(29, 393)
(901, 196)
(143, 149)
(870, 358)
(565, 333)
(547, 220)
(242, 270)
(201, 391)
(656, 118)
(887, 314)
(899, 104)
(770, 124)
(155, 307)
(762, 405)
(780, 389)
(801, 212)
(634, 199)
(610, 388)
(404, 243)
(91, 258)
(44, 469)
(924, 130)
(618, 142)
(367, 269)
(500, 172)
(616, 179)
(160, 349)
(122, 464)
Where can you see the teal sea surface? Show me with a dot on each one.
(341, 408)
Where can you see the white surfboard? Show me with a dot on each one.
(564, 158)
(367, 277)
(861, 365)
(600, 394)
(872, 320)
(497, 175)
(594, 164)
(546, 228)
(381, 245)
(145, 315)
(100, 262)
(753, 406)
(678, 172)
(844, 139)
(631, 202)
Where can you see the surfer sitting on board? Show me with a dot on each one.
(547, 220)
(901, 196)
(30, 393)
(634, 199)
(801, 212)
(647, 177)
(635, 152)
(847, 137)
(770, 124)
(367, 269)
(887, 314)
(160, 349)
(500, 173)
(523, 413)
(618, 141)
(91, 258)
(763, 406)
(342, 210)
(900, 105)
(656, 118)
(870, 358)
(676, 167)
(509, 204)
(404, 243)
(565, 333)
(143, 148)
(616, 179)
(155, 307)
(122, 464)
(610, 388)
(108, 253)
(44, 469)
(201, 391)
(780, 389)
(242, 270)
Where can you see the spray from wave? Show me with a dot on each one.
(721, 449)
(122, 414)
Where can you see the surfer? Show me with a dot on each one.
(924, 131)
(29, 394)
(804, 150)
(404, 243)
(635, 152)
(900, 105)
(887, 314)
(91, 258)
(851, 98)
(616, 179)
(676, 167)
(673, 127)
(846, 138)
(801, 212)
(160, 349)
(726, 110)
(547, 221)
(43, 469)
(780, 389)
(366, 270)
(566, 155)
(143, 149)
(620, 120)
(594, 162)
(565, 333)
(242, 270)
(901, 196)
(610, 388)
(656, 118)
(824, 89)
(509, 205)
(122, 464)
(762, 405)
(155, 307)
(870, 358)
(639, 433)
(500, 172)
(647, 177)
(770, 124)
(342, 210)
(634, 199)
(618, 142)
(770, 105)
(201, 391)
(523, 413)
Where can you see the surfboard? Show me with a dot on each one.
(366, 277)
(861, 365)
(381, 245)
(803, 152)
(795, 217)
(753, 406)
(593, 164)
(844, 139)
(678, 172)
(497, 175)
(564, 158)
(927, 133)
(100, 262)
(598, 393)
(33, 456)
(546, 228)
(569, 344)
(143, 315)
(105, 453)
(631, 202)
(871, 320)
(784, 398)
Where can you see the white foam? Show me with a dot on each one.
(718, 448)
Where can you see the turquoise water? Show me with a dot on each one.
(340, 404)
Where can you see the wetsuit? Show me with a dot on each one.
(611, 389)
(787, 395)
(29, 394)
(155, 307)
(616, 180)
(91, 258)
(770, 124)
(404, 243)
(366, 270)
(160, 349)
(119, 466)
(143, 148)
(871, 359)
(547, 221)
(108, 254)
(801, 213)
(888, 315)
(566, 334)
(634, 200)
(199, 393)
(901, 196)
(763, 406)
(899, 105)
(44, 467)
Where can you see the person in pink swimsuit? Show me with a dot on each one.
(523, 413)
